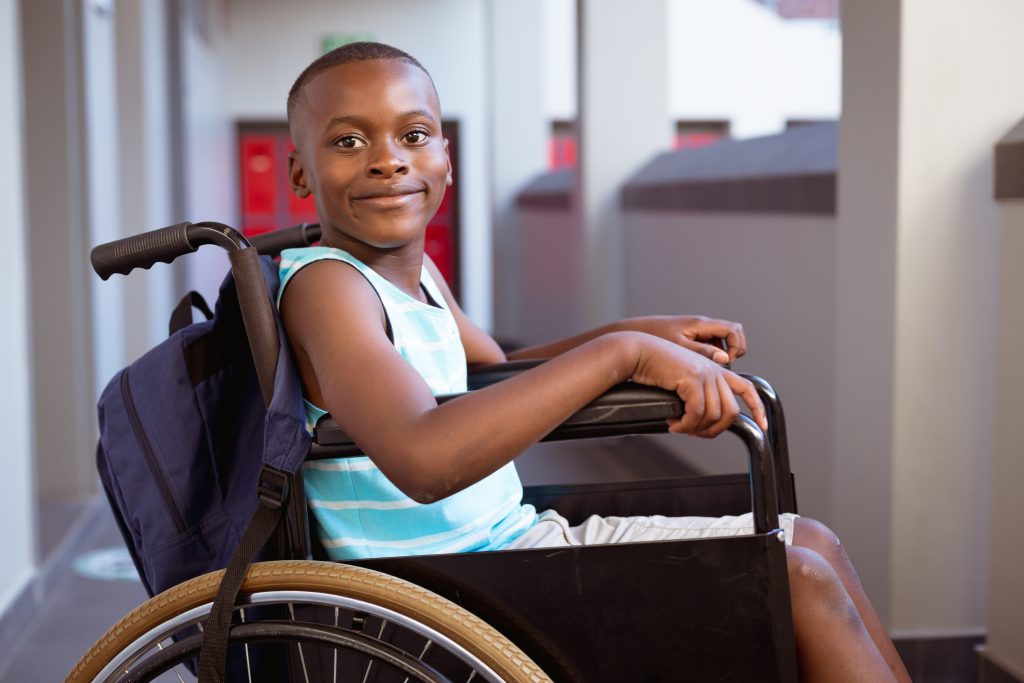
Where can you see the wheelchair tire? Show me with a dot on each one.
(413, 614)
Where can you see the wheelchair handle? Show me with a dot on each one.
(162, 245)
(166, 244)
(272, 243)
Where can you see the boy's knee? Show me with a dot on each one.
(815, 586)
(810, 533)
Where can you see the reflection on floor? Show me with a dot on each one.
(76, 610)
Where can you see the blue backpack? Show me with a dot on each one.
(185, 435)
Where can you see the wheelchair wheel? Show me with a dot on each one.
(336, 622)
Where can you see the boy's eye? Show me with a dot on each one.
(350, 142)
(415, 136)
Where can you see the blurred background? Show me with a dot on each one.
(845, 181)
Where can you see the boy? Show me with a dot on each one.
(377, 335)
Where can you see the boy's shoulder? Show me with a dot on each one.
(295, 260)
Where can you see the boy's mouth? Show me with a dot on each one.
(388, 196)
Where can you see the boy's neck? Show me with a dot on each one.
(401, 266)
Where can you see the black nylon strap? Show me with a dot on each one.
(273, 491)
(181, 316)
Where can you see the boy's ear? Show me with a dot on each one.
(448, 180)
(297, 175)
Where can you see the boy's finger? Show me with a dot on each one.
(716, 354)
(737, 344)
(712, 407)
(693, 401)
(730, 409)
(745, 390)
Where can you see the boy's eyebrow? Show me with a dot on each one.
(352, 118)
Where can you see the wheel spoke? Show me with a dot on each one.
(248, 663)
(160, 646)
(302, 657)
(423, 653)
(335, 677)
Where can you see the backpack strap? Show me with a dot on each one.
(181, 316)
(273, 492)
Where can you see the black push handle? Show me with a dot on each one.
(141, 251)
(162, 245)
(272, 243)
(166, 244)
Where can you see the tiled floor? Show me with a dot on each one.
(75, 613)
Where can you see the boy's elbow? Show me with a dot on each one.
(425, 487)
(425, 495)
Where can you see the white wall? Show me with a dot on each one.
(1005, 641)
(732, 60)
(551, 298)
(103, 185)
(271, 42)
(519, 152)
(773, 273)
(559, 49)
(740, 61)
(16, 505)
(955, 105)
(926, 99)
(144, 180)
(210, 157)
(623, 122)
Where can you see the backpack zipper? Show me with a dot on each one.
(147, 450)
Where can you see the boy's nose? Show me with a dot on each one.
(386, 163)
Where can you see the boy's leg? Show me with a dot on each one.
(817, 537)
(832, 641)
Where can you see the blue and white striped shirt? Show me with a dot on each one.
(359, 512)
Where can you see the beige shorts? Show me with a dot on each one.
(553, 531)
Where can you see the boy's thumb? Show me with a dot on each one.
(716, 354)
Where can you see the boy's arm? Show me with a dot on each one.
(690, 332)
(431, 451)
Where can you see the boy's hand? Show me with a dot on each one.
(708, 390)
(692, 331)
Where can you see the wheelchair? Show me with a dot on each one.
(713, 609)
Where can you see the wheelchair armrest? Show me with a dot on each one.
(626, 408)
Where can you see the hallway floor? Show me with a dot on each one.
(77, 609)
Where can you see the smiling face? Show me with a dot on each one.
(369, 149)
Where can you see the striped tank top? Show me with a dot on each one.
(359, 513)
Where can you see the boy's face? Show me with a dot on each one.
(369, 148)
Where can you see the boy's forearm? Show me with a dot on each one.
(458, 442)
(556, 348)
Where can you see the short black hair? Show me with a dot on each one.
(352, 52)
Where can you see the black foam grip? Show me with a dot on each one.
(272, 243)
(141, 251)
